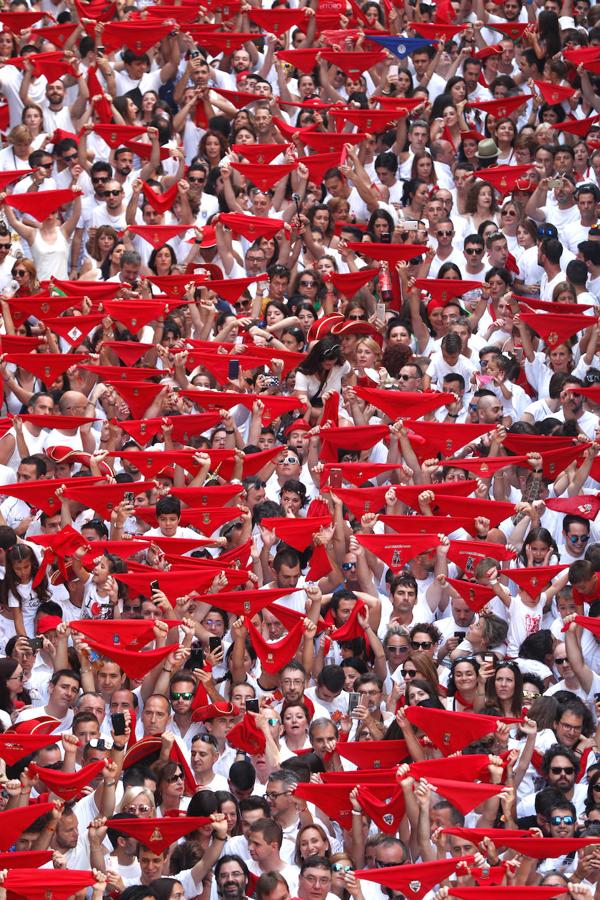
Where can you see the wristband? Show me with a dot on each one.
(355, 812)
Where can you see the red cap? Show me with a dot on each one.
(41, 204)
(158, 834)
(556, 329)
(14, 822)
(413, 880)
(251, 227)
(67, 785)
(492, 50)
(476, 596)
(351, 326)
(247, 736)
(500, 108)
(39, 725)
(395, 550)
(554, 93)
(273, 656)
(264, 177)
(323, 327)
(14, 747)
(47, 623)
(413, 404)
(215, 711)
(451, 731)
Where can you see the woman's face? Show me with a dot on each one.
(32, 118)
(294, 721)
(399, 335)
(397, 651)
(565, 297)
(6, 44)
(131, 108)
(214, 623)
(22, 570)
(15, 682)
(424, 168)
(163, 259)
(504, 683)
(321, 219)
(415, 695)
(290, 342)
(174, 785)
(325, 266)
(484, 200)
(458, 91)
(267, 245)
(274, 315)
(117, 253)
(465, 677)
(524, 239)
(531, 693)
(371, 16)
(148, 101)
(497, 286)
(560, 359)
(421, 195)
(312, 844)
(380, 226)
(105, 243)
(229, 810)
(307, 285)
(581, 154)
(350, 676)
(403, 82)
(538, 550)
(244, 137)
(241, 693)
(436, 319)
(291, 502)
(505, 131)
(469, 148)
(449, 116)
(21, 275)
(365, 357)
(212, 147)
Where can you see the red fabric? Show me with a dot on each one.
(74, 329)
(123, 373)
(504, 178)
(500, 108)
(278, 21)
(298, 533)
(451, 731)
(554, 93)
(247, 736)
(352, 62)
(133, 634)
(373, 754)
(466, 554)
(445, 289)
(259, 153)
(114, 135)
(264, 177)
(7, 178)
(45, 366)
(178, 546)
(580, 127)
(351, 629)
(40, 306)
(82, 289)
(206, 496)
(413, 880)
(129, 351)
(138, 396)
(14, 822)
(370, 120)
(555, 461)
(174, 583)
(41, 204)
(485, 466)
(160, 201)
(390, 253)
(231, 289)
(458, 768)
(349, 283)
(530, 443)
(320, 566)
(476, 596)
(273, 656)
(304, 59)
(158, 235)
(14, 747)
(410, 404)
(360, 437)
(588, 622)
(563, 308)
(507, 893)
(513, 30)
(395, 550)
(328, 141)
(361, 500)
(25, 859)
(41, 494)
(175, 285)
(435, 30)
(443, 437)
(251, 227)
(535, 579)
(543, 848)
(222, 42)
(34, 883)
(334, 799)
(135, 36)
(494, 510)
(429, 524)
(135, 664)
(409, 493)
(18, 21)
(556, 329)
(102, 106)
(245, 602)
(356, 473)
(464, 798)
(320, 163)
(134, 314)
(215, 711)
(158, 834)
(67, 785)
(388, 813)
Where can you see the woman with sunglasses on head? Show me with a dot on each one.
(170, 788)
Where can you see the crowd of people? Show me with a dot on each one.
(299, 472)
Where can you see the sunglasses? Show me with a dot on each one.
(289, 459)
(406, 377)
(444, 233)
(173, 778)
(421, 645)
(409, 673)
(99, 178)
(557, 820)
(341, 867)
(111, 193)
(307, 283)
(5, 246)
(20, 273)
(138, 809)
(47, 166)
(70, 158)
(579, 538)
(559, 770)
(347, 566)
(193, 180)
(474, 251)
(357, 319)
(560, 660)
(508, 212)
(182, 695)
(529, 695)
(397, 649)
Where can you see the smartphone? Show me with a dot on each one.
(214, 643)
(234, 369)
(118, 723)
(252, 705)
(196, 659)
(385, 237)
(459, 634)
(353, 702)
(154, 585)
(335, 478)
(488, 657)
(36, 643)
(129, 497)
(410, 224)
(393, 71)
(380, 311)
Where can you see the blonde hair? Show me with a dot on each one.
(19, 133)
(135, 792)
(371, 344)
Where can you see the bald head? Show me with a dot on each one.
(73, 403)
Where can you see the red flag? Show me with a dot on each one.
(413, 880)
(279, 20)
(476, 596)
(554, 93)
(67, 785)
(260, 153)
(135, 35)
(273, 656)
(556, 329)
(352, 62)
(500, 108)
(411, 404)
(535, 579)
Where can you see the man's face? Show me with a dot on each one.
(292, 684)
(259, 850)
(334, 186)
(155, 716)
(53, 524)
(263, 120)
(462, 615)
(409, 378)
(203, 757)
(279, 797)
(231, 881)
(344, 611)
(314, 884)
(444, 234)
(67, 832)
(576, 537)
(404, 598)
(280, 892)
(561, 823)
(26, 472)
(86, 732)
(124, 164)
(323, 739)
(389, 856)
(55, 92)
(421, 62)
(511, 8)
(151, 865)
(240, 60)
(568, 729)
(64, 692)
(5, 246)
(561, 774)
(121, 701)
(113, 196)
(370, 696)
(498, 252)
(168, 523)
(255, 261)
(471, 75)
(108, 679)
(386, 177)
(94, 705)
(287, 576)
(489, 411)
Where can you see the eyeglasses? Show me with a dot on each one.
(314, 879)
(193, 180)
(20, 273)
(560, 660)
(530, 695)
(16, 677)
(421, 645)
(307, 283)
(579, 538)
(557, 820)
(114, 193)
(347, 566)
(567, 727)
(409, 673)
(273, 795)
(444, 233)
(173, 778)
(473, 251)
(406, 377)
(341, 867)
(182, 695)
(596, 787)
(397, 649)
(138, 809)
(559, 770)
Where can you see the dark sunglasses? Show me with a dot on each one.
(444, 233)
(474, 251)
(173, 778)
(421, 645)
(20, 273)
(559, 770)
(409, 673)
(182, 695)
(114, 193)
(193, 180)
(5, 246)
(560, 660)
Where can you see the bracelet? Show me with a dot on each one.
(120, 748)
(167, 670)
(229, 431)
(110, 783)
(450, 416)
(85, 671)
(217, 837)
(355, 812)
